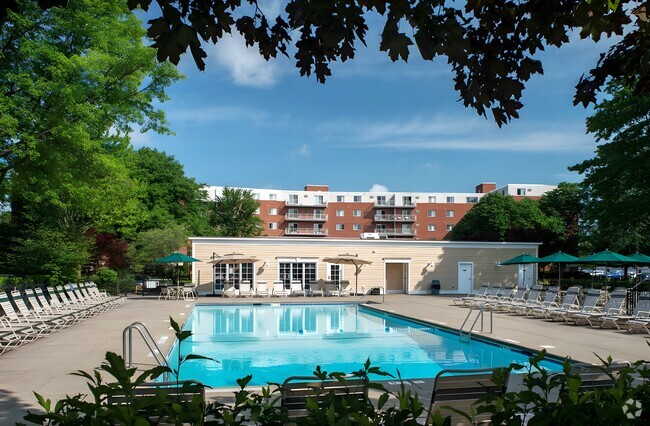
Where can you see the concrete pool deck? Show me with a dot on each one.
(45, 365)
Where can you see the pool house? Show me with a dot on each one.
(409, 267)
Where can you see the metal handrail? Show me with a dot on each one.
(480, 315)
(146, 335)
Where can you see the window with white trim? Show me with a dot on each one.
(472, 200)
(257, 210)
(273, 211)
(450, 199)
(356, 227)
(340, 198)
(273, 225)
(431, 228)
(432, 198)
(293, 198)
(273, 197)
(449, 227)
(356, 213)
(357, 198)
(431, 213)
(340, 213)
(450, 213)
(521, 191)
(340, 227)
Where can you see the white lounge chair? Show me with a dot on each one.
(641, 313)
(279, 289)
(296, 289)
(245, 289)
(614, 306)
(262, 289)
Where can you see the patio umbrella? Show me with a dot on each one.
(177, 258)
(641, 258)
(233, 259)
(350, 259)
(522, 259)
(607, 257)
(559, 258)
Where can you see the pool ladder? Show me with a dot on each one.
(127, 344)
(482, 307)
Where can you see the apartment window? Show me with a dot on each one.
(431, 228)
(381, 200)
(273, 197)
(293, 198)
(431, 213)
(407, 201)
(340, 198)
(257, 210)
(357, 198)
(432, 198)
(293, 214)
(450, 213)
(273, 225)
(319, 199)
(406, 213)
(450, 199)
(449, 227)
(340, 213)
(273, 211)
(521, 191)
(319, 214)
(356, 227)
(340, 227)
(472, 200)
(356, 213)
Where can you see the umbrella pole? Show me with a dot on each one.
(559, 275)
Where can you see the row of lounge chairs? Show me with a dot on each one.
(279, 289)
(36, 313)
(593, 307)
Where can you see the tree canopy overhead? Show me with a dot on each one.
(492, 46)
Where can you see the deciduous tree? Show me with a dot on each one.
(235, 214)
(617, 180)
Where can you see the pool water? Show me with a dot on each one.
(275, 341)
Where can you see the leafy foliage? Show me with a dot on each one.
(168, 196)
(153, 244)
(617, 180)
(498, 217)
(564, 203)
(235, 214)
(493, 47)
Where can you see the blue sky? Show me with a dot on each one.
(248, 123)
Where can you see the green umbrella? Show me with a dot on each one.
(607, 257)
(640, 258)
(559, 258)
(177, 257)
(522, 259)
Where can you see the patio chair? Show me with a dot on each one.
(59, 321)
(614, 306)
(296, 390)
(517, 296)
(641, 313)
(262, 289)
(279, 289)
(29, 327)
(460, 301)
(530, 299)
(641, 321)
(296, 289)
(245, 289)
(189, 291)
(595, 377)
(315, 289)
(230, 291)
(332, 289)
(588, 306)
(569, 301)
(460, 390)
(499, 294)
(62, 303)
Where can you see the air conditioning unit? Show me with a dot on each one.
(370, 236)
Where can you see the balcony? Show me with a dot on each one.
(397, 232)
(306, 217)
(393, 218)
(306, 231)
(393, 203)
(305, 203)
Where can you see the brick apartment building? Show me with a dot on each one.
(319, 212)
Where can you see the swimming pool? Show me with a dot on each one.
(274, 341)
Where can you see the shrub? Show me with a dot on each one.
(106, 279)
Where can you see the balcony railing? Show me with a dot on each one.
(306, 216)
(397, 232)
(306, 231)
(305, 203)
(394, 218)
(393, 203)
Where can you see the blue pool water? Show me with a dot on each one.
(275, 341)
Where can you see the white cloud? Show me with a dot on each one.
(245, 65)
(444, 132)
(378, 188)
(302, 151)
(216, 113)
(138, 139)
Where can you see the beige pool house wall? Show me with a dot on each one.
(425, 260)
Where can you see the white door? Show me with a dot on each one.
(465, 277)
(525, 275)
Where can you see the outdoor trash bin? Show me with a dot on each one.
(435, 286)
